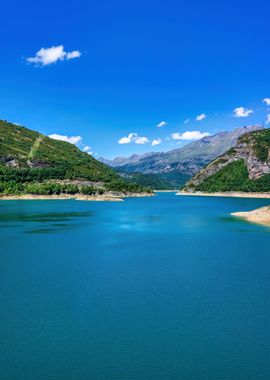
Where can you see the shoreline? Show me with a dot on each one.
(232, 194)
(76, 197)
(259, 216)
(165, 191)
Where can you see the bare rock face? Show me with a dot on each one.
(11, 163)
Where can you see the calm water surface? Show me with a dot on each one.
(159, 288)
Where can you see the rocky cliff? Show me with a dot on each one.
(246, 167)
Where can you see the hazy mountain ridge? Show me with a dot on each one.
(187, 160)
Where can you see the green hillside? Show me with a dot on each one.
(32, 162)
(245, 168)
(163, 181)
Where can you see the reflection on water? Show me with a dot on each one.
(49, 222)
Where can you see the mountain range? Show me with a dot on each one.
(178, 165)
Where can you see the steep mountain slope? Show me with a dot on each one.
(27, 156)
(23, 148)
(186, 160)
(243, 168)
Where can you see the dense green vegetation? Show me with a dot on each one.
(260, 143)
(234, 177)
(31, 163)
(150, 180)
(162, 181)
(23, 145)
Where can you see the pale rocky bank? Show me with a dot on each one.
(259, 216)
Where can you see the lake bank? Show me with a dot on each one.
(227, 194)
(258, 216)
(78, 197)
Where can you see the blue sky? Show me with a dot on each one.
(123, 67)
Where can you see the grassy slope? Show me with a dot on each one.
(22, 144)
(39, 158)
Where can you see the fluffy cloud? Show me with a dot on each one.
(201, 117)
(162, 124)
(156, 142)
(73, 54)
(133, 137)
(186, 121)
(70, 139)
(242, 112)
(128, 139)
(267, 101)
(141, 140)
(267, 119)
(189, 135)
(51, 55)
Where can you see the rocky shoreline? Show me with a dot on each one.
(226, 194)
(259, 216)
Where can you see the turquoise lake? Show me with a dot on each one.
(161, 288)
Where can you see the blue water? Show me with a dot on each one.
(159, 288)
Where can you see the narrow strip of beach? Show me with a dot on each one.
(258, 216)
(76, 197)
(226, 194)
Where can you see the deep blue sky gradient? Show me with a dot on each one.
(142, 62)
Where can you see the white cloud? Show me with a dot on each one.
(141, 140)
(87, 148)
(162, 124)
(242, 112)
(70, 139)
(133, 137)
(267, 101)
(267, 119)
(128, 139)
(186, 121)
(201, 117)
(73, 54)
(189, 135)
(156, 142)
(47, 56)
